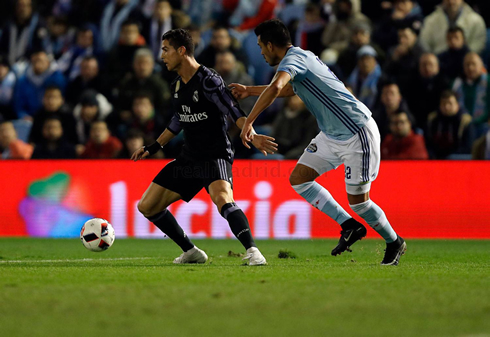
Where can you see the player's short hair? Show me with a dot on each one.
(455, 29)
(273, 31)
(448, 94)
(180, 38)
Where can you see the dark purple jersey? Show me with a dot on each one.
(201, 108)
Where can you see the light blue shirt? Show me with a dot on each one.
(338, 113)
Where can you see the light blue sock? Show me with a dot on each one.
(320, 198)
(376, 218)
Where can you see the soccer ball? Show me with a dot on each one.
(97, 235)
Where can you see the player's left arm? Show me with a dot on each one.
(268, 96)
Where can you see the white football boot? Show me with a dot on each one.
(193, 255)
(255, 257)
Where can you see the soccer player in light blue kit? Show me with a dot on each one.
(348, 136)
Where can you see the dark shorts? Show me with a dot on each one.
(187, 177)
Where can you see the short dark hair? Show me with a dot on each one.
(399, 111)
(143, 95)
(135, 133)
(131, 22)
(180, 38)
(52, 88)
(448, 94)
(273, 31)
(455, 29)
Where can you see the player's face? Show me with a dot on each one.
(171, 56)
(267, 53)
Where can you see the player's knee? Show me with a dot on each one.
(145, 208)
(220, 199)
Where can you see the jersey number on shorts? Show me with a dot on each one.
(347, 172)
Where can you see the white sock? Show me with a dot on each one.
(320, 198)
(376, 218)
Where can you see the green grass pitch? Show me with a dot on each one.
(57, 288)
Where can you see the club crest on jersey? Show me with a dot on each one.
(195, 97)
(311, 148)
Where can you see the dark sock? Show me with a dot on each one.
(238, 223)
(166, 222)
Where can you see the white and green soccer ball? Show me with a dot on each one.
(97, 235)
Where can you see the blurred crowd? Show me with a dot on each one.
(84, 79)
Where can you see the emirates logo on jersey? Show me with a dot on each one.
(195, 97)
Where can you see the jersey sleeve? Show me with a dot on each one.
(174, 125)
(216, 91)
(294, 65)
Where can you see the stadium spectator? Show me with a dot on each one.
(134, 140)
(338, 32)
(452, 59)
(233, 72)
(52, 145)
(199, 44)
(24, 33)
(449, 129)
(453, 13)
(404, 13)
(361, 36)
(392, 102)
(89, 78)
(164, 18)
(29, 90)
(364, 78)
(310, 29)
(101, 144)
(120, 59)
(247, 14)
(472, 91)
(403, 60)
(143, 79)
(11, 146)
(93, 106)
(7, 85)
(221, 41)
(143, 118)
(53, 106)
(425, 90)
(293, 128)
(86, 45)
(114, 15)
(402, 143)
(60, 36)
(481, 147)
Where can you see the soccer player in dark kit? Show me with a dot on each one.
(202, 105)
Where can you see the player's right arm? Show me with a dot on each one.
(170, 132)
(241, 91)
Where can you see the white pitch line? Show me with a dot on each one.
(78, 260)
